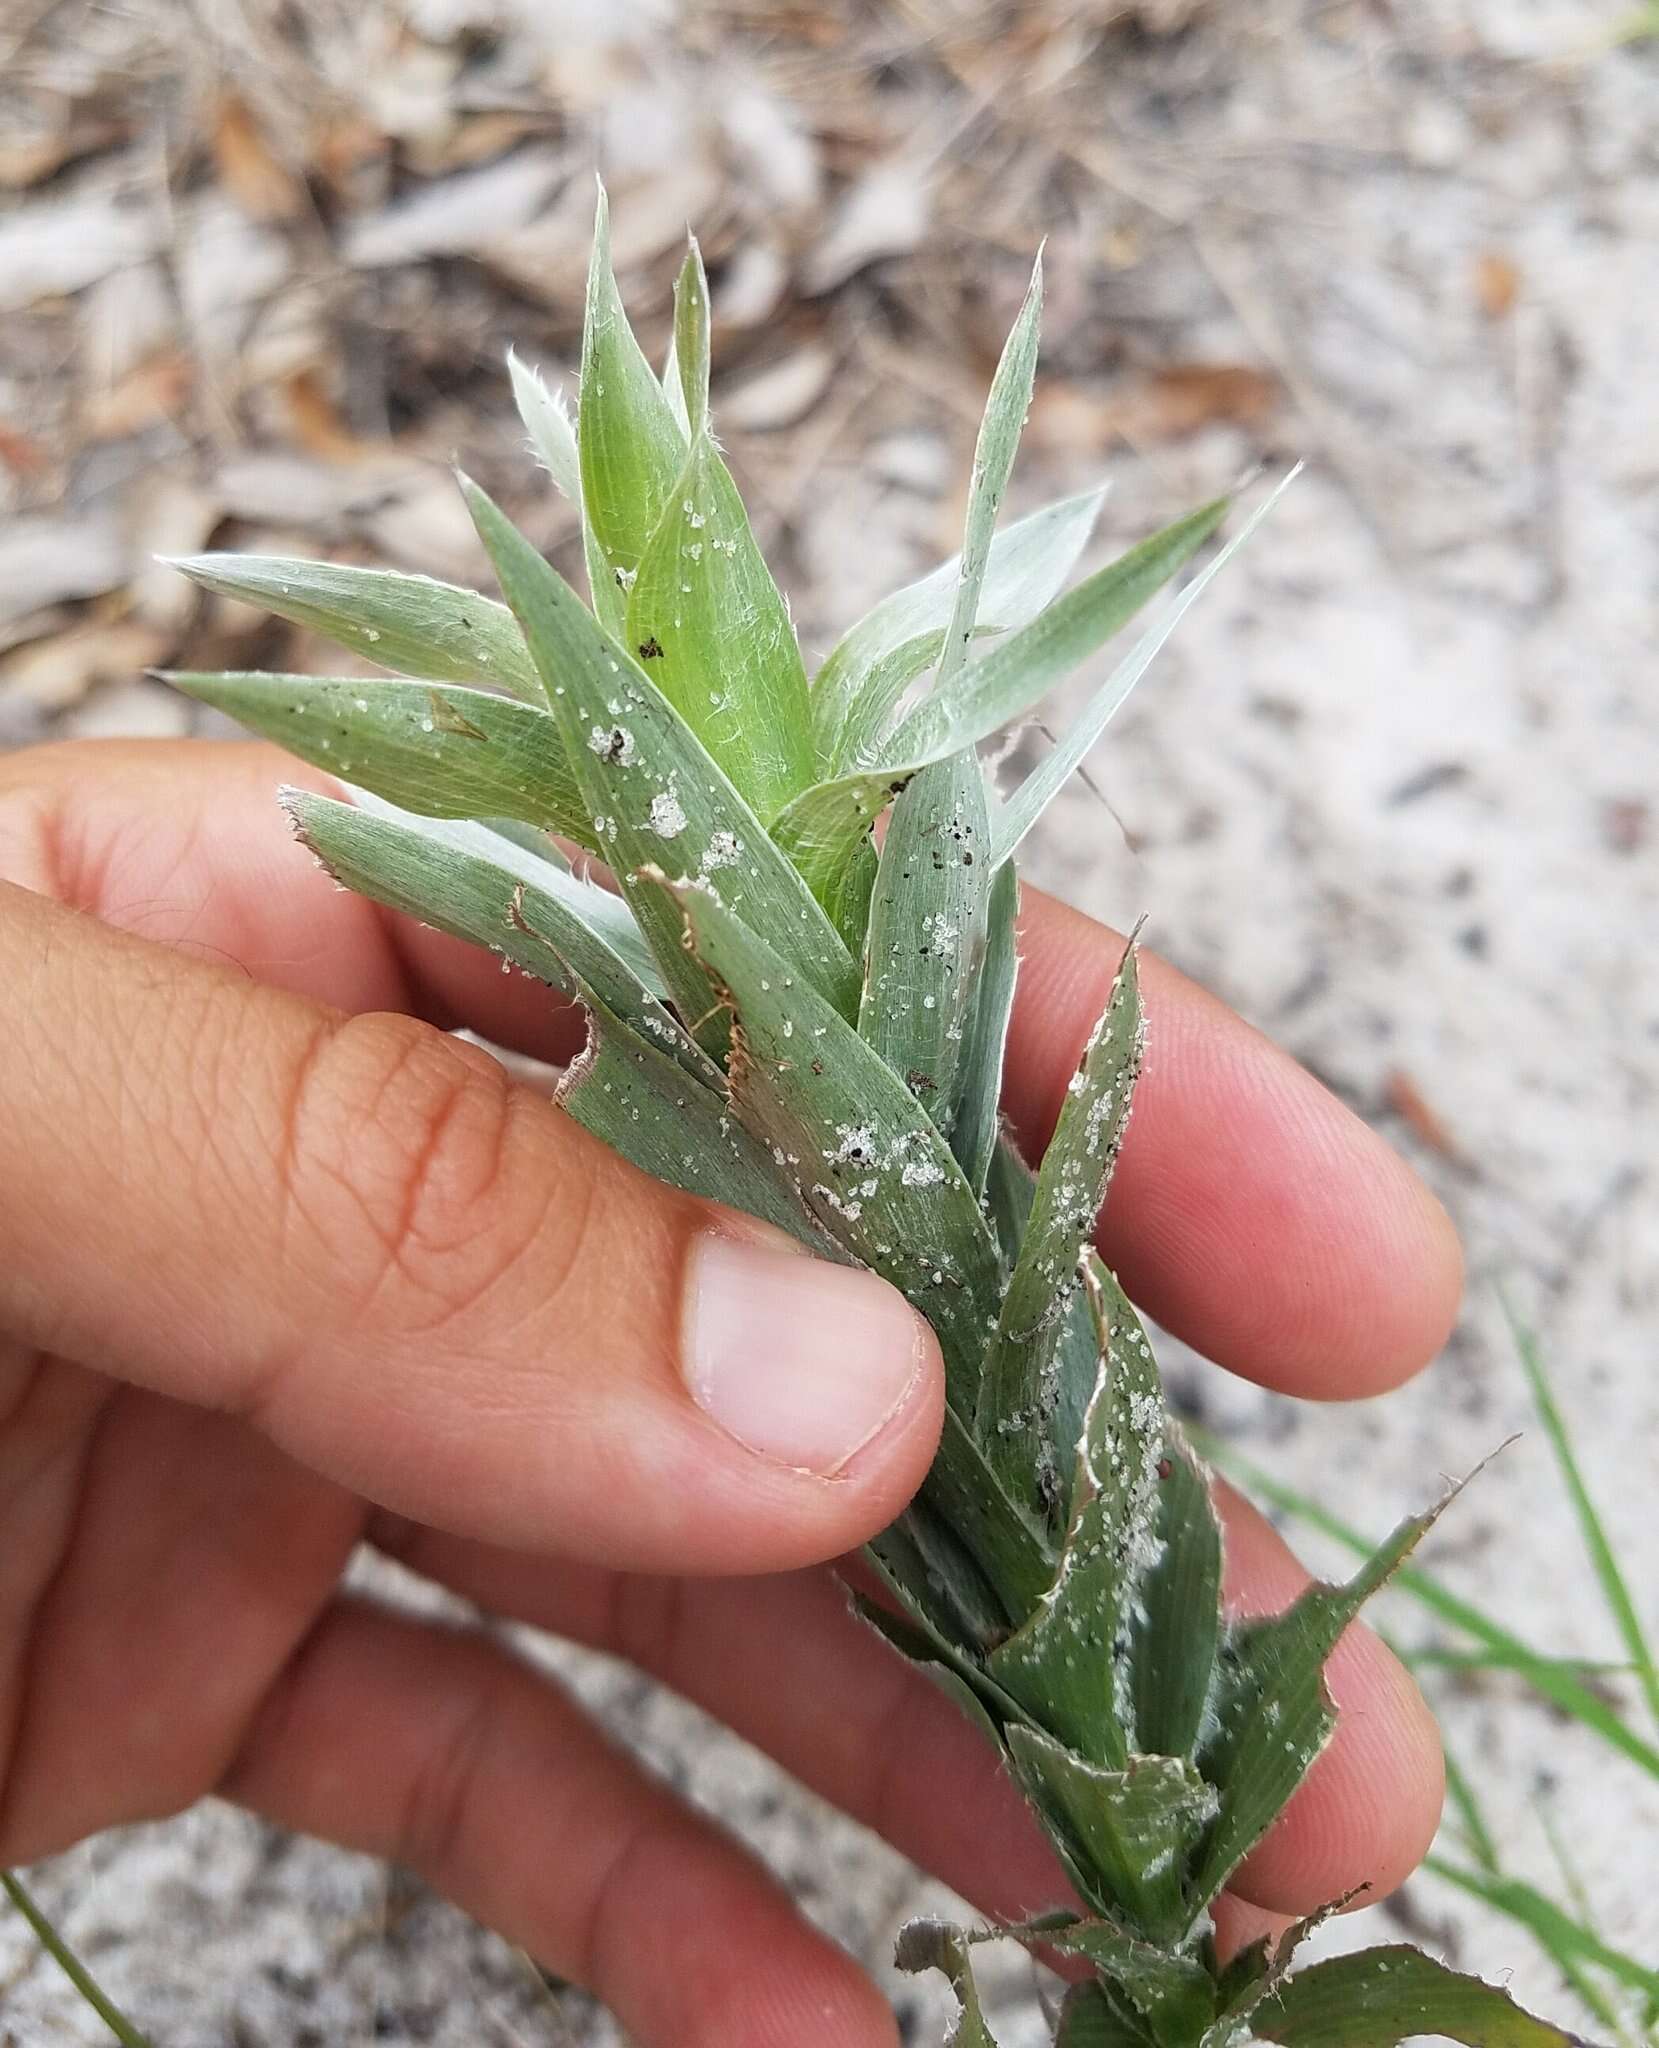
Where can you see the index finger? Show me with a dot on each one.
(1252, 1213)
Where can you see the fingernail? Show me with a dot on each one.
(799, 1360)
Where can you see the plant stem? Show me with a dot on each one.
(70, 1964)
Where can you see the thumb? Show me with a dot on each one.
(424, 1281)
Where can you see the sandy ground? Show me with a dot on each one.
(1394, 792)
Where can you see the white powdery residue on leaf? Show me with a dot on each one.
(854, 1142)
(667, 819)
(921, 1173)
(612, 743)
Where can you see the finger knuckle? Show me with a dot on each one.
(443, 1792)
(401, 1155)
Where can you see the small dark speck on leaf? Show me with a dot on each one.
(650, 650)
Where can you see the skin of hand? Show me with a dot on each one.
(284, 1269)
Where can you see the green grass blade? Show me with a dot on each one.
(70, 1964)
(468, 881)
(666, 805)
(854, 695)
(1050, 1664)
(1015, 1399)
(1615, 1589)
(1460, 1793)
(1479, 1842)
(879, 1178)
(1545, 1675)
(413, 625)
(1045, 782)
(710, 626)
(927, 918)
(979, 1071)
(630, 445)
(632, 1095)
(547, 422)
(1024, 667)
(691, 340)
(1175, 1624)
(1555, 1929)
(1174, 1994)
(826, 827)
(1274, 1715)
(444, 753)
(1383, 1996)
(999, 437)
(868, 1162)
(1129, 1831)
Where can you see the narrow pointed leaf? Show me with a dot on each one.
(1045, 782)
(1176, 1625)
(930, 1945)
(869, 1162)
(884, 691)
(691, 340)
(1130, 1830)
(664, 803)
(1029, 564)
(930, 1571)
(1025, 665)
(877, 1175)
(1274, 1715)
(626, 1090)
(1016, 1394)
(1093, 2017)
(978, 1084)
(708, 624)
(631, 448)
(1064, 1664)
(926, 935)
(1173, 1993)
(547, 421)
(1567, 1940)
(1010, 1188)
(999, 436)
(1615, 1589)
(1548, 1676)
(1384, 1996)
(825, 826)
(444, 753)
(472, 883)
(413, 625)
(460, 866)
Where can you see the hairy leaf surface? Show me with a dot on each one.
(413, 625)
(444, 753)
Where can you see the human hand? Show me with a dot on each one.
(283, 1270)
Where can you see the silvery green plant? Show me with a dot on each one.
(786, 1019)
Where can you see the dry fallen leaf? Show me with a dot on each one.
(316, 421)
(59, 671)
(151, 391)
(1415, 1111)
(29, 159)
(1184, 398)
(1497, 285)
(44, 560)
(256, 178)
(780, 394)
